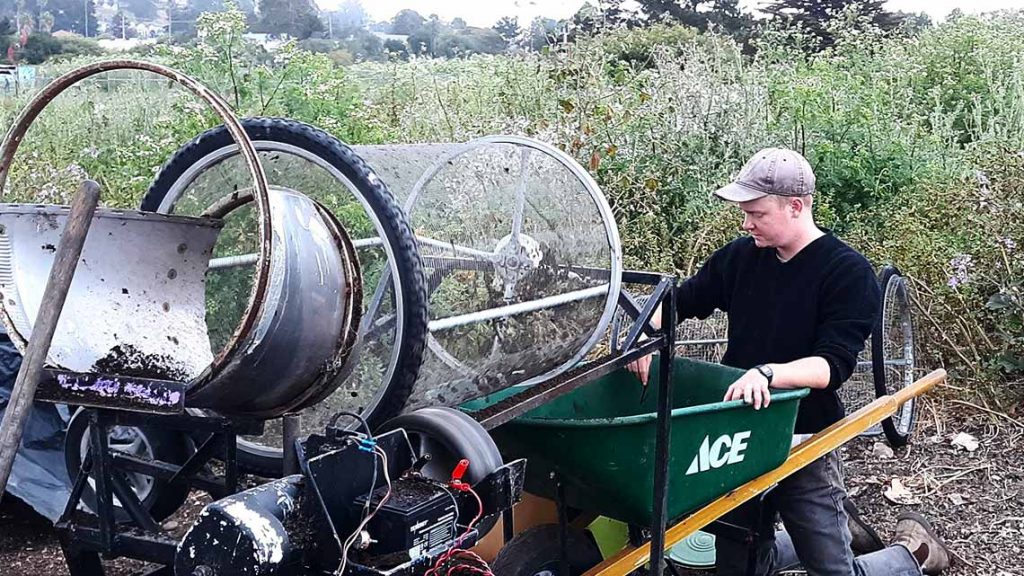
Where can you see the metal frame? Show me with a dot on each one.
(632, 349)
(86, 536)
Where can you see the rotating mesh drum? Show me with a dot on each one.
(522, 261)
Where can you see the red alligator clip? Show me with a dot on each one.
(457, 474)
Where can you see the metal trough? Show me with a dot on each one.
(137, 304)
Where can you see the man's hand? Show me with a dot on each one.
(642, 368)
(752, 388)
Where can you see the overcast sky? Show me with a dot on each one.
(487, 12)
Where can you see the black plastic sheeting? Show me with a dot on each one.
(39, 476)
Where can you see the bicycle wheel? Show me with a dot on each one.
(304, 158)
(892, 353)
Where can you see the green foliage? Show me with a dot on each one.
(38, 48)
(397, 48)
(406, 22)
(56, 15)
(120, 25)
(915, 140)
(71, 46)
(467, 41)
(508, 28)
(723, 16)
(297, 18)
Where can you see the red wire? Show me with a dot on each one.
(458, 541)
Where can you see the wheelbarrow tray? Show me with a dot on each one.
(599, 441)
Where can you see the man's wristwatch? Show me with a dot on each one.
(765, 371)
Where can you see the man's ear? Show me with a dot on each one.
(796, 207)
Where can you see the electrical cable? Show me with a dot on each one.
(455, 521)
(340, 413)
(355, 534)
(455, 550)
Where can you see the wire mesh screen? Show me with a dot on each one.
(859, 390)
(695, 339)
(521, 257)
(703, 339)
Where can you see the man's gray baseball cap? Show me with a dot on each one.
(775, 171)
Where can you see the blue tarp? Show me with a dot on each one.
(39, 476)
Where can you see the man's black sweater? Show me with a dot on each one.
(821, 302)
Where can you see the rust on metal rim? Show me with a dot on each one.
(24, 120)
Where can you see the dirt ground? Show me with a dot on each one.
(974, 497)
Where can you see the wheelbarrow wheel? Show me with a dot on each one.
(537, 552)
(394, 327)
(892, 354)
(450, 435)
(158, 497)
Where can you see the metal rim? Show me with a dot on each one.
(896, 302)
(140, 447)
(24, 120)
(349, 337)
(611, 232)
(190, 175)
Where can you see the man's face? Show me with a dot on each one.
(768, 221)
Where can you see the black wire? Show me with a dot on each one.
(334, 420)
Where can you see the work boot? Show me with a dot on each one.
(915, 533)
(864, 539)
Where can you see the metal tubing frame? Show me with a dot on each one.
(664, 429)
(83, 543)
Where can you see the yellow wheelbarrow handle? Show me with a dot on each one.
(630, 558)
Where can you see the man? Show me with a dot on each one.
(800, 303)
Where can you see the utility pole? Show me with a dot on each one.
(85, 8)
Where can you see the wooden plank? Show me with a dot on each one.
(631, 558)
(69, 249)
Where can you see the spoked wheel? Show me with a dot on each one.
(887, 362)
(538, 552)
(524, 264)
(892, 353)
(158, 497)
(448, 436)
(306, 159)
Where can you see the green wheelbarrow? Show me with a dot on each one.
(599, 441)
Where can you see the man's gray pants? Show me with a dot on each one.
(817, 535)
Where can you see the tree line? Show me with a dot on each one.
(349, 32)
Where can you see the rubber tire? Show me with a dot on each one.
(170, 446)
(266, 460)
(463, 436)
(538, 548)
(894, 437)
